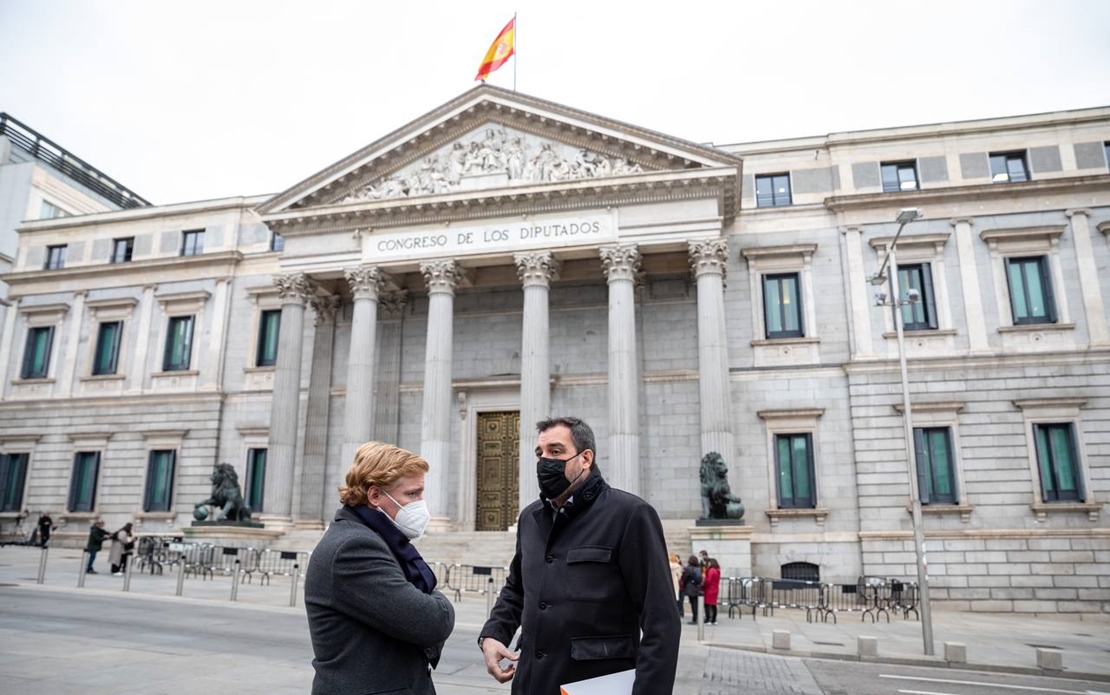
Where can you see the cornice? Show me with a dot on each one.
(722, 183)
(228, 259)
(112, 216)
(976, 193)
(910, 240)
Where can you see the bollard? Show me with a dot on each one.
(81, 569)
(701, 617)
(180, 575)
(489, 596)
(235, 582)
(127, 572)
(1050, 659)
(293, 590)
(868, 646)
(42, 567)
(780, 639)
(955, 652)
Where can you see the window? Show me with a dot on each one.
(1008, 167)
(772, 190)
(55, 257)
(36, 355)
(122, 249)
(794, 460)
(899, 176)
(1057, 462)
(192, 243)
(82, 486)
(269, 325)
(277, 242)
(179, 344)
(782, 310)
(50, 211)
(1030, 290)
(13, 476)
(256, 478)
(936, 473)
(800, 571)
(922, 314)
(159, 481)
(106, 357)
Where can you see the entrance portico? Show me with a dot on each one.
(501, 201)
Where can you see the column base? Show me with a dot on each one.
(278, 523)
(440, 524)
(309, 524)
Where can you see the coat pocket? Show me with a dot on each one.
(590, 574)
(590, 648)
(589, 553)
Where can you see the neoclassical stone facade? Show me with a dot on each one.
(504, 258)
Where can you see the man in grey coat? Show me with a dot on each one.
(377, 623)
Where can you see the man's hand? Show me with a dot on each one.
(495, 652)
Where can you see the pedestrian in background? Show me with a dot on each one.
(691, 585)
(97, 536)
(122, 545)
(676, 576)
(376, 620)
(46, 527)
(711, 585)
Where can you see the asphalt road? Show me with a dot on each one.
(91, 643)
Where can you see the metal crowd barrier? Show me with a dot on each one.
(440, 570)
(475, 579)
(870, 596)
(740, 593)
(279, 563)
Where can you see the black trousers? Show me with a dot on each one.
(710, 613)
(693, 608)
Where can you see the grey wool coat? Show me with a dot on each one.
(370, 627)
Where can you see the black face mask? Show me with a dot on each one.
(552, 476)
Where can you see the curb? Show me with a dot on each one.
(936, 662)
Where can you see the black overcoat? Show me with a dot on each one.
(370, 627)
(583, 583)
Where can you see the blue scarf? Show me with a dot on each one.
(412, 564)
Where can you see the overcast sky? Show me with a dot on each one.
(184, 101)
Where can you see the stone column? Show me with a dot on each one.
(7, 340)
(358, 427)
(441, 278)
(316, 503)
(969, 281)
(294, 291)
(709, 260)
(387, 410)
(139, 370)
(536, 271)
(859, 300)
(1088, 278)
(221, 305)
(67, 368)
(621, 264)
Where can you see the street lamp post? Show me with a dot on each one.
(906, 216)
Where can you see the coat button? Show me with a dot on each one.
(543, 605)
(539, 655)
(550, 558)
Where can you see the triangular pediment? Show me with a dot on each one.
(491, 139)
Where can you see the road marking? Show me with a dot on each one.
(987, 685)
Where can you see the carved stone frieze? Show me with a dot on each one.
(620, 262)
(293, 288)
(497, 158)
(709, 256)
(536, 269)
(365, 282)
(441, 276)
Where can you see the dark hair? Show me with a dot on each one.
(580, 432)
(693, 561)
(714, 564)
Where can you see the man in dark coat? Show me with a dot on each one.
(97, 536)
(46, 526)
(590, 572)
(376, 621)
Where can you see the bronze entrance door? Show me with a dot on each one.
(498, 470)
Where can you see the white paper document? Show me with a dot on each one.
(614, 684)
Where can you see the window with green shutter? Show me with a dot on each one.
(82, 485)
(158, 495)
(13, 478)
(36, 353)
(1057, 462)
(794, 461)
(106, 357)
(936, 470)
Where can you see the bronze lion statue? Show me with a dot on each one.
(226, 495)
(717, 500)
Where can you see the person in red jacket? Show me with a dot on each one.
(712, 587)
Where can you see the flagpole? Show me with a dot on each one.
(516, 47)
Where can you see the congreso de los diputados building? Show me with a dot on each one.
(504, 258)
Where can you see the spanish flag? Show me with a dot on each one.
(500, 52)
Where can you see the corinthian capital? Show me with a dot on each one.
(293, 288)
(709, 256)
(620, 262)
(365, 282)
(536, 269)
(391, 304)
(325, 307)
(441, 276)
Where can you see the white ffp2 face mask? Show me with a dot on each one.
(412, 518)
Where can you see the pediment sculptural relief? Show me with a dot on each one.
(496, 158)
